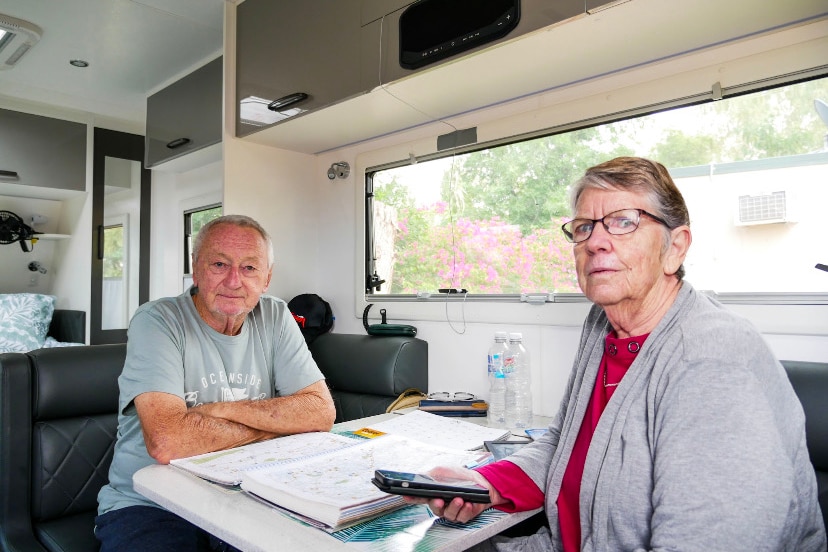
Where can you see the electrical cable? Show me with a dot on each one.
(451, 202)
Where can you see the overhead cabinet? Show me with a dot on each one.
(185, 116)
(296, 56)
(286, 47)
(42, 153)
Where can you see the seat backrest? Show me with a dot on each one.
(810, 382)
(367, 373)
(75, 419)
(58, 422)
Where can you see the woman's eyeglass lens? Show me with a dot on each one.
(616, 223)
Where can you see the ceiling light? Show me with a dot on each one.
(78, 63)
(16, 38)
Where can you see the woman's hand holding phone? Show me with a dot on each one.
(457, 510)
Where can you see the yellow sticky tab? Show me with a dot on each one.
(368, 432)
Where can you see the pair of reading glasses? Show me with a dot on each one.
(447, 396)
(616, 223)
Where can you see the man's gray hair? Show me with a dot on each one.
(242, 221)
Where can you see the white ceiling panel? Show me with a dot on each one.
(133, 48)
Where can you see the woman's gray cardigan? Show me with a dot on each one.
(702, 446)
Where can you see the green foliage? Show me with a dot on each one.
(113, 261)
(771, 123)
(525, 183)
(200, 218)
(677, 149)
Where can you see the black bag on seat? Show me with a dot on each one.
(312, 313)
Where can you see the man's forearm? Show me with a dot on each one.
(198, 433)
(309, 410)
(171, 430)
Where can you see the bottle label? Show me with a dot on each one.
(509, 364)
(495, 364)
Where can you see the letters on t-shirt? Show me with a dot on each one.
(233, 386)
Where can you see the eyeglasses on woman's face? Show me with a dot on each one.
(616, 223)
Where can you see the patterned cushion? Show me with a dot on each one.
(24, 321)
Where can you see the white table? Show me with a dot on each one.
(253, 526)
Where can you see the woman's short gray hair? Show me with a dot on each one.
(636, 174)
(241, 221)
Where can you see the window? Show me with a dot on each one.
(194, 219)
(753, 169)
(115, 283)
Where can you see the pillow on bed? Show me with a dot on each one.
(24, 321)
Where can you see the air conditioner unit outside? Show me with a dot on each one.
(16, 38)
(763, 209)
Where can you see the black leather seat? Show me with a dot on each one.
(367, 373)
(810, 381)
(58, 421)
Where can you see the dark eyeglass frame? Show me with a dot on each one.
(568, 228)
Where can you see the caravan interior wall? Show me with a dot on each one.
(318, 224)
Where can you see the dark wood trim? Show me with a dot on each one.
(112, 143)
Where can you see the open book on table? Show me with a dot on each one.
(226, 466)
(335, 489)
(327, 476)
(439, 430)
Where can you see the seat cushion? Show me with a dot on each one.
(73, 533)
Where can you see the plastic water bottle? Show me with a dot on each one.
(497, 381)
(517, 370)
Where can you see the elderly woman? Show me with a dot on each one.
(679, 429)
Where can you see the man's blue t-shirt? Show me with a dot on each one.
(172, 350)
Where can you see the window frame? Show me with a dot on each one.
(739, 300)
(188, 235)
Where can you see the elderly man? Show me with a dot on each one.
(679, 430)
(219, 366)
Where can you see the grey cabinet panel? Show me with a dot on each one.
(310, 49)
(44, 152)
(185, 116)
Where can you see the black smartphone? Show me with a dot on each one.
(415, 484)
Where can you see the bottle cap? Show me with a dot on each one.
(515, 336)
(501, 335)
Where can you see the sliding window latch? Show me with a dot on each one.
(536, 298)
